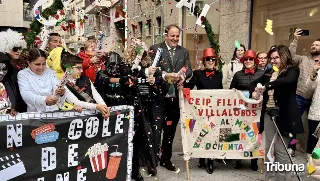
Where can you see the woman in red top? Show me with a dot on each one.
(91, 62)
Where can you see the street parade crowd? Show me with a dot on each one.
(149, 79)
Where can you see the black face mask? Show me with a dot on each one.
(112, 64)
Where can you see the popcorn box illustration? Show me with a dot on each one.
(113, 166)
(98, 155)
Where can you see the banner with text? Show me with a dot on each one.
(221, 124)
(67, 146)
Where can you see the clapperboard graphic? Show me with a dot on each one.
(10, 167)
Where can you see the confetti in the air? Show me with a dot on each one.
(313, 11)
(269, 27)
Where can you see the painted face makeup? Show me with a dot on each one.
(3, 71)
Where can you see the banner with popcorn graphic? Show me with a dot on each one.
(59, 146)
(221, 124)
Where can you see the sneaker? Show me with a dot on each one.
(168, 165)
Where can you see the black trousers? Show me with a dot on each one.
(143, 149)
(166, 114)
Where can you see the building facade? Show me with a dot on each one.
(147, 19)
(16, 14)
(107, 18)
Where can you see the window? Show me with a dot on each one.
(158, 26)
(133, 30)
(284, 20)
(148, 28)
(198, 3)
(140, 28)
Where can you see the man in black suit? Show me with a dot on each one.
(166, 112)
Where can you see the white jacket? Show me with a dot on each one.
(233, 67)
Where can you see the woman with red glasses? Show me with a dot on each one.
(241, 81)
(208, 78)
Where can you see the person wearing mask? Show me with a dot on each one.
(279, 99)
(305, 63)
(264, 64)
(314, 114)
(235, 65)
(11, 45)
(166, 110)
(241, 81)
(207, 78)
(39, 87)
(91, 62)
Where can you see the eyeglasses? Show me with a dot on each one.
(15, 49)
(210, 59)
(250, 59)
(274, 58)
(77, 67)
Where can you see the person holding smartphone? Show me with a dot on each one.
(305, 64)
(313, 83)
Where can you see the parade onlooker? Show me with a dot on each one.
(305, 64)
(80, 90)
(39, 87)
(208, 78)
(166, 110)
(54, 61)
(91, 63)
(241, 81)
(264, 64)
(314, 114)
(235, 65)
(54, 41)
(11, 45)
(279, 99)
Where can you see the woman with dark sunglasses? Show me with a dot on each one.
(10, 59)
(241, 81)
(208, 78)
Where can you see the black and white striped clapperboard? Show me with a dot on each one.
(10, 167)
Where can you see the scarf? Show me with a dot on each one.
(271, 102)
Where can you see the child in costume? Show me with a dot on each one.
(11, 45)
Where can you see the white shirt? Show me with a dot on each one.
(169, 49)
(35, 88)
(71, 98)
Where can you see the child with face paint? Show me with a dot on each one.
(241, 81)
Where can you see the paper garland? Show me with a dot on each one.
(53, 21)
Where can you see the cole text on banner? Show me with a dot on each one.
(221, 124)
(61, 146)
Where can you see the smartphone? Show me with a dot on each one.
(304, 33)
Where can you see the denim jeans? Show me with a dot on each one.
(304, 105)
